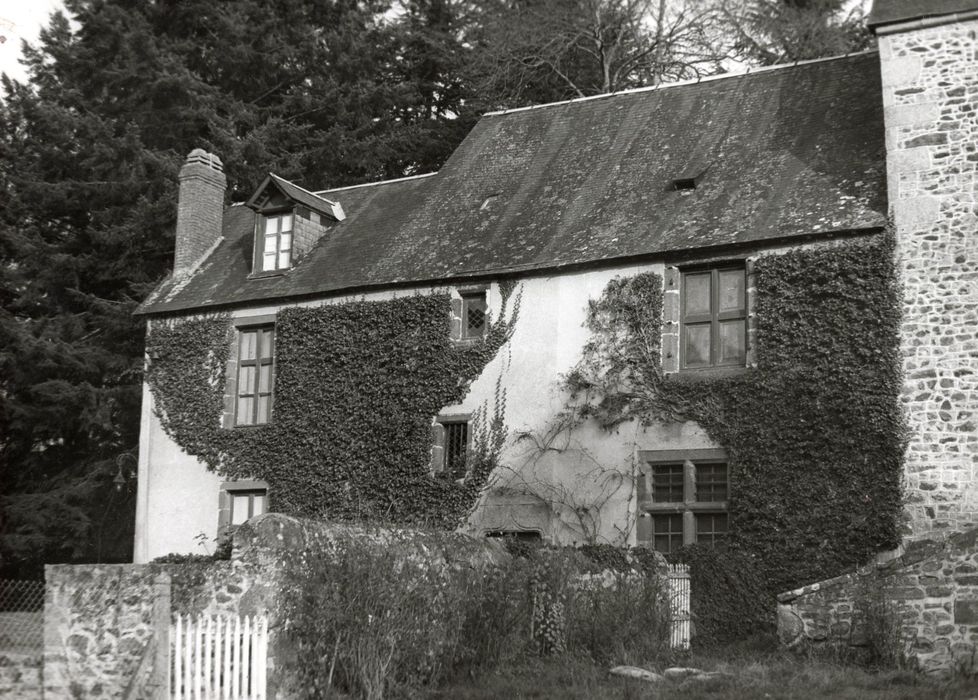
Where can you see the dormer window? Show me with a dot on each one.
(290, 221)
(277, 248)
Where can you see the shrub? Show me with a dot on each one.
(365, 617)
(370, 618)
(620, 618)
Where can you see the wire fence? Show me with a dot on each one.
(21, 616)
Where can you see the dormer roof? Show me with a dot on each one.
(297, 194)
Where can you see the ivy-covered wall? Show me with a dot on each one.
(814, 434)
(356, 387)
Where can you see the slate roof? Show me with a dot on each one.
(890, 11)
(787, 152)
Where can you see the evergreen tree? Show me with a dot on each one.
(326, 93)
(781, 31)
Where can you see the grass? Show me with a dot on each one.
(752, 676)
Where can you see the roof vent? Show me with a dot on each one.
(688, 179)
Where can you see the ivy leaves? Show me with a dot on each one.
(814, 434)
(356, 388)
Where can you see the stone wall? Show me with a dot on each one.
(100, 620)
(102, 626)
(922, 602)
(930, 95)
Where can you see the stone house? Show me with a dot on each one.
(701, 187)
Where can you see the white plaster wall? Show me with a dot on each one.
(178, 497)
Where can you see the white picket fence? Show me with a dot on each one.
(218, 658)
(677, 587)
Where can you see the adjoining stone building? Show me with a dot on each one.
(930, 83)
(705, 192)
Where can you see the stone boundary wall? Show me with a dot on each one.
(99, 620)
(100, 623)
(926, 596)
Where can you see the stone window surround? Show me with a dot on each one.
(672, 314)
(457, 321)
(644, 509)
(438, 436)
(231, 371)
(225, 494)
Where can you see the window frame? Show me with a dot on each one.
(258, 363)
(468, 299)
(649, 509)
(261, 235)
(230, 489)
(447, 466)
(715, 316)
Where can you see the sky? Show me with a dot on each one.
(21, 19)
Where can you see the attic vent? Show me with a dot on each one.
(689, 177)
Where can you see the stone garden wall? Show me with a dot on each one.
(106, 627)
(101, 628)
(922, 601)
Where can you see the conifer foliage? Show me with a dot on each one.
(326, 93)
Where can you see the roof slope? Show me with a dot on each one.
(787, 152)
(890, 11)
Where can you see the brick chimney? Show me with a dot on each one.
(200, 209)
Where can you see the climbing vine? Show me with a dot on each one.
(356, 387)
(814, 433)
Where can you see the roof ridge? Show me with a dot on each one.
(376, 182)
(680, 83)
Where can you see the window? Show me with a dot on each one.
(245, 505)
(456, 448)
(714, 318)
(239, 502)
(684, 498)
(256, 352)
(474, 315)
(277, 247)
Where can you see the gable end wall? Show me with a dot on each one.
(930, 93)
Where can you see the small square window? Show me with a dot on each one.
(667, 532)
(711, 528)
(240, 501)
(714, 318)
(245, 505)
(667, 483)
